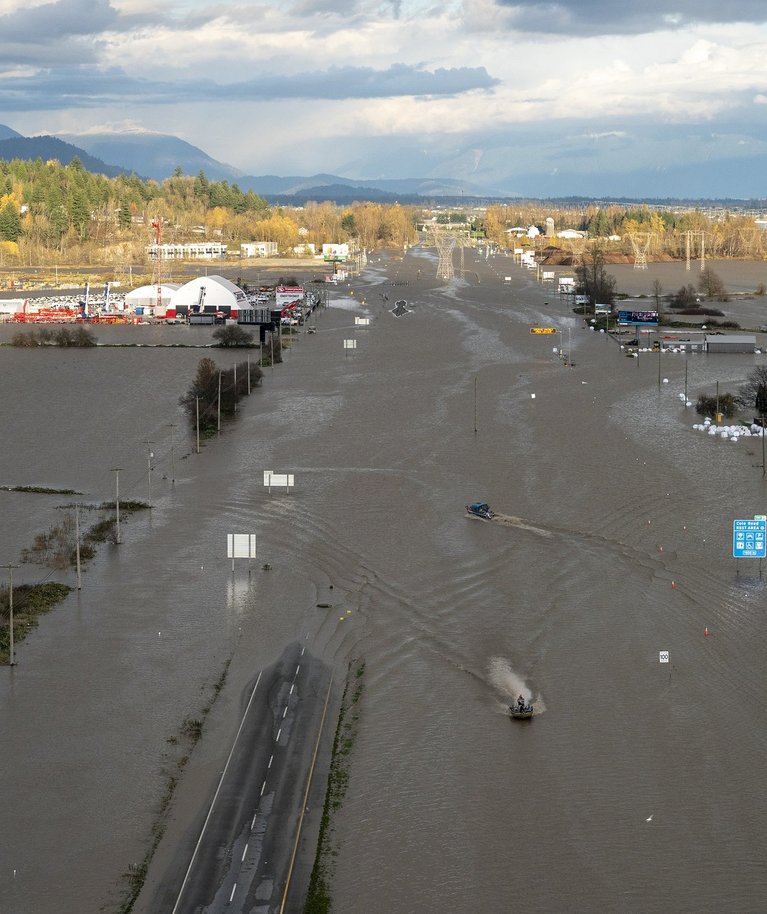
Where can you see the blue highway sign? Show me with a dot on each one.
(749, 539)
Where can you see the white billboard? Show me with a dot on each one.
(241, 545)
(285, 295)
(335, 251)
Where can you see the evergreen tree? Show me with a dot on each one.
(10, 223)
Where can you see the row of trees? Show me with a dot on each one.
(215, 392)
(665, 231)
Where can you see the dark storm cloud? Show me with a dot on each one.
(89, 87)
(607, 17)
(54, 21)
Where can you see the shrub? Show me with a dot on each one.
(233, 335)
(706, 405)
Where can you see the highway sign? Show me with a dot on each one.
(749, 539)
(663, 656)
(543, 330)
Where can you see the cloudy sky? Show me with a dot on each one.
(565, 97)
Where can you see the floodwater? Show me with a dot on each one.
(636, 788)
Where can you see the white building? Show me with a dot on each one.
(146, 297)
(259, 249)
(208, 294)
(198, 250)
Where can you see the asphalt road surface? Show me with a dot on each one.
(243, 857)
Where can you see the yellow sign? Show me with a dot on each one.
(543, 330)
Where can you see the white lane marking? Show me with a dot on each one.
(278, 735)
(253, 823)
(234, 889)
(243, 853)
(271, 759)
(296, 673)
(292, 687)
(285, 712)
(263, 788)
(215, 797)
(302, 651)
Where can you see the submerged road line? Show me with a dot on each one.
(213, 801)
(306, 797)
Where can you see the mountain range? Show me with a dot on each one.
(157, 156)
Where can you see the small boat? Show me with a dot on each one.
(522, 710)
(480, 509)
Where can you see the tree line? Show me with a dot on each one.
(53, 213)
(666, 232)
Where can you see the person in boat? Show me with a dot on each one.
(521, 703)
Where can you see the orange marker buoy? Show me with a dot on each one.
(673, 585)
(706, 632)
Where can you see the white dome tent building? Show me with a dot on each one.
(144, 299)
(212, 295)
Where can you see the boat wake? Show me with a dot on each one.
(510, 685)
(508, 520)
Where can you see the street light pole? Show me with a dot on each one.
(11, 656)
(77, 552)
(116, 471)
(171, 426)
(149, 456)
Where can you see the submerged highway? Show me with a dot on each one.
(243, 857)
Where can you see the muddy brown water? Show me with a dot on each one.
(637, 788)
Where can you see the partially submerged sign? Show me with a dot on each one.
(638, 317)
(543, 330)
(749, 539)
(241, 545)
(278, 479)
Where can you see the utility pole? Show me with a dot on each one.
(149, 456)
(197, 404)
(77, 549)
(11, 656)
(171, 426)
(218, 420)
(116, 471)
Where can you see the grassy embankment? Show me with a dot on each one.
(318, 899)
(56, 549)
(182, 744)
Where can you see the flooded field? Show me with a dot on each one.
(637, 788)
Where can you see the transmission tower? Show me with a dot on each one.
(444, 241)
(640, 242)
(577, 248)
(702, 236)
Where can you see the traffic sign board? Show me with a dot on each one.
(749, 539)
(543, 330)
(663, 656)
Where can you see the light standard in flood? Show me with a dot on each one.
(11, 656)
(116, 471)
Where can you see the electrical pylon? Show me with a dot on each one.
(702, 236)
(444, 241)
(640, 242)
